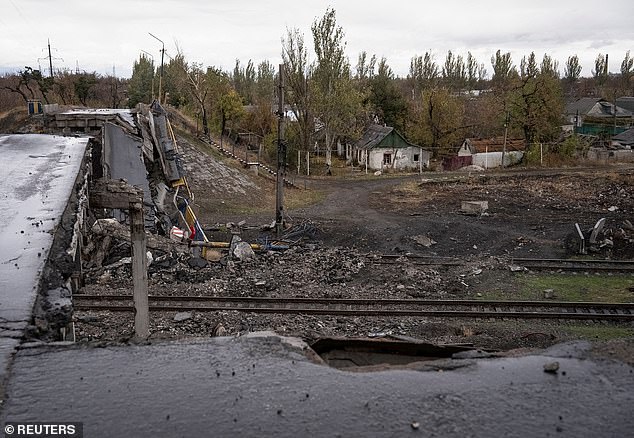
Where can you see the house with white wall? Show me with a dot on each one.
(384, 148)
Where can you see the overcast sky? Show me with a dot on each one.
(97, 35)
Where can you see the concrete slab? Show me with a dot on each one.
(37, 175)
(264, 386)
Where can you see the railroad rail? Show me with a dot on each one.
(368, 307)
(594, 265)
(576, 264)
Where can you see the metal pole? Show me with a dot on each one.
(281, 156)
(160, 95)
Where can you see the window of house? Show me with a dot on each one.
(387, 159)
(416, 158)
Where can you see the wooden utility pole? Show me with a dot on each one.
(506, 130)
(120, 195)
(281, 157)
(50, 58)
(139, 271)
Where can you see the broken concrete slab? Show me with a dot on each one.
(474, 207)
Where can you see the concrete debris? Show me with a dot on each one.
(551, 367)
(197, 263)
(549, 294)
(516, 268)
(243, 251)
(378, 173)
(477, 272)
(114, 229)
(424, 240)
(596, 230)
(607, 243)
(415, 425)
(182, 316)
(613, 208)
(474, 207)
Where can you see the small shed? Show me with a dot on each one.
(487, 152)
(383, 148)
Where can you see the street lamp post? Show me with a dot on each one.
(161, 75)
(150, 55)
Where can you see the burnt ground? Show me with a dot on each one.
(348, 220)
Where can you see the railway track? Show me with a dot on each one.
(576, 265)
(529, 263)
(368, 307)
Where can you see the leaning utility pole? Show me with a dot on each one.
(281, 157)
(50, 58)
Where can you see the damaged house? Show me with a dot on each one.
(384, 148)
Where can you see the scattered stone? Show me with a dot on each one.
(212, 255)
(415, 425)
(243, 251)
(400, 287)
(477, 272)
(613, 208)
(516, 268)
(424, 240)
(377, 173)
(549, 294)
(551, 367)
(182, 316)
(197, 263)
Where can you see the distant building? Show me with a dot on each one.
(594, 116)
(384, 148)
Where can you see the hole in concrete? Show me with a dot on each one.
(346, 353)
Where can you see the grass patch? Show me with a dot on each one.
(568, 287)
(600, 333)
(295, 199)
